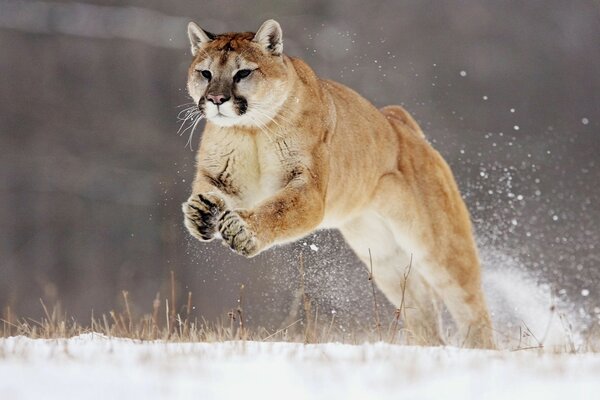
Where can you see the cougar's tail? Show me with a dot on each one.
(400, 118)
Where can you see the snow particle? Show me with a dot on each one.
(512, 110)
(516, 127)
(313, 247)
(585, 293)
(463, 73)
(555, 218)
(585, 121)
(485, 97)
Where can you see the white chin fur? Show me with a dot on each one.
(225, 115)
(224, 121)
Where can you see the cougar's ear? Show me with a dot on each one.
(269, 35)
(198, 37)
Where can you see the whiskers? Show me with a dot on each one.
(266, 123)
(274, 127)
(189, 117)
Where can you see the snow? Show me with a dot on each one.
(97, 367)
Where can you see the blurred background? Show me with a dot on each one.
(93, 171)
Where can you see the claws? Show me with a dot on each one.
(205, 216)
(201, 216)
(236, 233)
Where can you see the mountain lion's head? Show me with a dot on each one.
(238, 78)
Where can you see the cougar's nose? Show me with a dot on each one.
(217, 99)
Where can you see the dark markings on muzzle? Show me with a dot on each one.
(241, 104)
(201, 104)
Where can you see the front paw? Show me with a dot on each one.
(236, 232)
(201, 214)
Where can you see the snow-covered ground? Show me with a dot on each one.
(95, 367)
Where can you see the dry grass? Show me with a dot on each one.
(308, 329)
(177, 327)
(162, 322)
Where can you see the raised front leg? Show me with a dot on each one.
(293, 212)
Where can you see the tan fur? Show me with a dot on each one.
(318, 155)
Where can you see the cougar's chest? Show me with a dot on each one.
(247, 168)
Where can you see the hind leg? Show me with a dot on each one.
(402, 286)
(464, 299)
(444, 254)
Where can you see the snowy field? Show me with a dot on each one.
(95, 367)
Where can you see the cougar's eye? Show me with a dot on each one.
(206, 73)
(241, 74)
